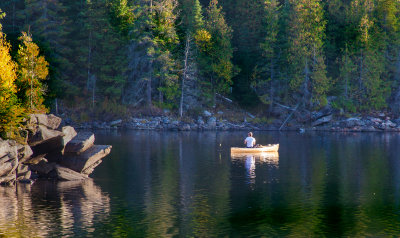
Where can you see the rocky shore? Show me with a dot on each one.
(51, 151)
(326, 119)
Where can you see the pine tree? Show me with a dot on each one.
(46, 21)
(216, 52)
(32, 70)
(369, 87)
(247, 21)
(308, 69)
(265, 73)
(151, 62)
(191, 24)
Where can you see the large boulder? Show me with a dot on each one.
(43, 168)
(69, 133)
(44, 134)
(80, 143)
(8, 147)
(8, 165)
(66, 174)
(50, 121)
(83, 163)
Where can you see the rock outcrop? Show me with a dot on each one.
(51, 152)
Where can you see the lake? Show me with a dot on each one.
(185, 184)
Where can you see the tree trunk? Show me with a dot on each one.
(271, 89)
(187, 48)
(89, 61)
(148, 90)
(93, 90)
(306, 83)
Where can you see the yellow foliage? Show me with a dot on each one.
(203, 39)
(33, 69)
(11, 114)
(7, 71)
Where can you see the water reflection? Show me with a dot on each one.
(49, 209)
(270, 159)
(185, 184)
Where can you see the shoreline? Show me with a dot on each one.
(165, 123)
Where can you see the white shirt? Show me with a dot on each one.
(250, 141)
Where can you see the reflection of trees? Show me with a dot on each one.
(335, 185)
(187, 186)
(51, 209)
(322, 185)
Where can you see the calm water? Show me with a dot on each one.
(173, 184)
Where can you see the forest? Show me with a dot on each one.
(111, 56)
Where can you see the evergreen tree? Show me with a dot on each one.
(191, 24)
(215, 52)
(369, 89)
(99, 55)
(306, 57)
(265, 74)
(46, 21)
(32, 70)
(151, 63)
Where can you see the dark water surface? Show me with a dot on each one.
(185, 184)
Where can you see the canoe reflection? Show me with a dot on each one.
(250, 161)
(27, 211)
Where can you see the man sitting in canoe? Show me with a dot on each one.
(250, 141)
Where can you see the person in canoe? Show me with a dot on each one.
(250, 141)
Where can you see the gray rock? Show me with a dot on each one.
(36, 159)
(322, 120)
(8, 147)
(200, 121)
(211, 122)
(91, 168)
(42, 168)
(80, 143)
(390, 124)
(353, 122)
(44, 134)
(50, 121)
(8, 179)
(69, 134)
(24, 152)
(8, 165)
(165, 120)
(85, 160)
(386, 125)
(22, 169)
(116, 122)
(24, 176)
(67, 174)
(184, 127)
(207, 113)
(326, 111)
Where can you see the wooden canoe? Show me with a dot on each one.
(263, 149)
